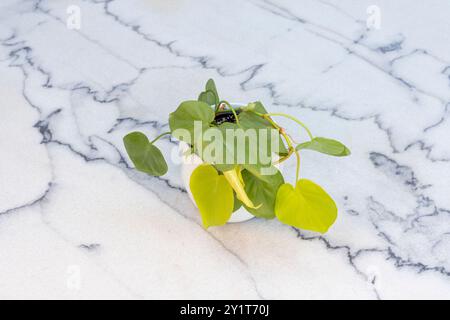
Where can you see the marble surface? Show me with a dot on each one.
(78, 222)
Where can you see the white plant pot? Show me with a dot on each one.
(188, 164)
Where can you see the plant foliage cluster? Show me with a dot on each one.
(219, 189)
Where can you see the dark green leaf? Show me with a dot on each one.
(325, 145)
(144, 155)
(225, 148)
(262, 192)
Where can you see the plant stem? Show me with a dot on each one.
(160, 136)
(232, 110)
(297, 171)
(288, 141)
(285, 136)
(216, 109)
(284, 158)
(227, 111)
(294, 119)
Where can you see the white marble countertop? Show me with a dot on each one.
(77, 221)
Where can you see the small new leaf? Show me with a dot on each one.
(144, 155)
(210, 95)
(207, 97)
(326, 146)
(211, 86)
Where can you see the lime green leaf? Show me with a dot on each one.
(144, 155)
(325, 145)
(307, 206)
(187, 113)
(212, 194)
(262, 190)
(250, 120)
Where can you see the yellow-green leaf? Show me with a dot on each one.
(212, 194)
(307, 206)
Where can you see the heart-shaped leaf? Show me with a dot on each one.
(207, 97)
(262, 190)
(210, 95)
(185, 116)
(307, 206)
(144, 155)
(325, 145)
(212, 194)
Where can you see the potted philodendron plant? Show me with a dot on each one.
(239, 148)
